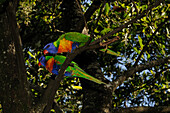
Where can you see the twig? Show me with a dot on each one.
(152, 81)
(136, 9)
(138, 68)
(109, 41)
(147, 43)
(92, 32)
(143, 109)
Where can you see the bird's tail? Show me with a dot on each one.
(82, 74)
(108, 51)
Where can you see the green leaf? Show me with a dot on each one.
(143, 19)
(148, 55)
(138, 51)
(105, 30)
(58, 99)
(140, 42)
(107, 8)
(31, 54)
(76, 87)
(52, 110)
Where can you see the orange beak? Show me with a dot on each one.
(45, 52)
(39, 64)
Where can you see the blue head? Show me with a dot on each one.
(68, 74)
(50, 48)
(42, 61)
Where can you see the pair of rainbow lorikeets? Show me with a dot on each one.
(66, 43)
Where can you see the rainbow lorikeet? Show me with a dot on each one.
(68, 42)
(53, 64)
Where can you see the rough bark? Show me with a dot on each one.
(14, 90)
(96, 98)
(72, 16)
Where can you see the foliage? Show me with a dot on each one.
(145, 40)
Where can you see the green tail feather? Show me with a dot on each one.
(108, 51)
(79, 73)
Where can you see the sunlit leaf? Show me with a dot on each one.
(31, 54)
(107, 8)
(138, 51)
(77, 87)
(140, 42)
(105, 30)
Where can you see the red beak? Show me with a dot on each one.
(45, 52)
(39, 64)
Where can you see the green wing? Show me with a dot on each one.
(73, 36)
(61, 59)
(76, 37)
(48, 57)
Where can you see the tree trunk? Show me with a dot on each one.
(72, 16)
(96, 98)
(14, 91)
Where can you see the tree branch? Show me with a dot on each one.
(136, 9)
(160, 109)
(138, 68)
(92, 32)
(53, 85)
(157, 76)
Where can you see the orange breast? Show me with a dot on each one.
(49, 64)
(65, 46)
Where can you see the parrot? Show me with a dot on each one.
(68, 42)
(54, 63)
